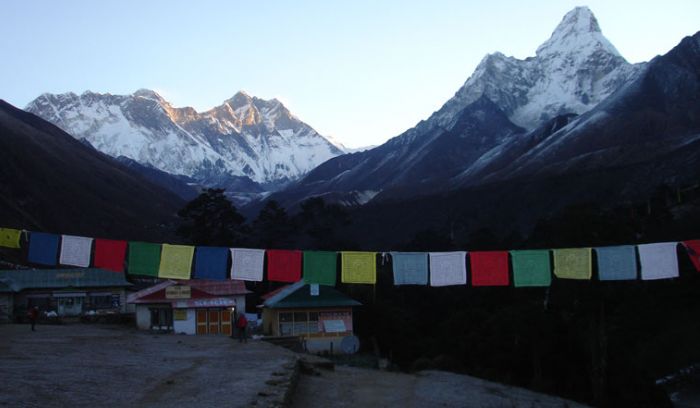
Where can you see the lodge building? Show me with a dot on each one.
(66, 292)
(320, 315)
(190, 306)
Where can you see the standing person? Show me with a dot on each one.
(33, 315)
(241, 324)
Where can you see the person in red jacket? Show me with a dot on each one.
(241, 325)
(33, 315)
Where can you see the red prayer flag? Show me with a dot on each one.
(489, 268)
(283, 265)
(693, 248)
(110, 254)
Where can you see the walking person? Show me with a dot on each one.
(33, 315)
(241, 325)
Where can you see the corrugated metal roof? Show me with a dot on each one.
(298, 295)
(21, 279)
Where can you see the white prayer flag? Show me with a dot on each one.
(75, 251)
(247, 264)
(448, 268)
(658, 261)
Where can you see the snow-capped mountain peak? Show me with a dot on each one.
(148, 94)
(571, 72)
(243, 137)
(578, 33)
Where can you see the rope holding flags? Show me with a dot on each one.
(522, 268)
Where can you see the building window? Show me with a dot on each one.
(313, 322)
(100, 302)
(301, 320)
(298, 323)
(286, 324)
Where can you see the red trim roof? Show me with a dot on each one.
(201, 289)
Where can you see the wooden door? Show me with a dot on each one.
(202, 321)
(226, 322)
(214, 321)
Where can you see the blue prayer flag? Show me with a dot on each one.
(211, 263)
(410, 268)
(617, 263)
(43, 248)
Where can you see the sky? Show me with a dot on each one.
(358, 71)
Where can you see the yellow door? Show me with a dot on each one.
(226, 322)
(213, 321)
(201, 321)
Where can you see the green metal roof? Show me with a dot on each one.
(298, 295)
(20, 279)
(5, 286)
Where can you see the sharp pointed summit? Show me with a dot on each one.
(240, 99)
(578, 32)
(579, 20)
(575, 69)
(149, 94)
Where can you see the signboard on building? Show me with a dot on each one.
(116, 301)
(335, 322)
(213, 302)
(178, 292)
(334, 326)
(179, 314)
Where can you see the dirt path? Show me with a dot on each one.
(356, 387)
(95, 365)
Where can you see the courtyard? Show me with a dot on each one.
(112, 365)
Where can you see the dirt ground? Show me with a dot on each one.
(357, 387)
(81, 365)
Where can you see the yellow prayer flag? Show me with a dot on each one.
(176, 261)
(359, 267)
(572, 263)
(9, 238)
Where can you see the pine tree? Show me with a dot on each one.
(211, 219)
(273, 228)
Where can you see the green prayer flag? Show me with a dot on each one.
(144, 258)
(9, 238)
(176, 261)
(531, 268)
(572, 263)
(320, 267)
(358, 267)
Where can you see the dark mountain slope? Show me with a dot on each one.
(406, 162)
(52, 182)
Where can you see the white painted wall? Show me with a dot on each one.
(143, 317)
(188, 326)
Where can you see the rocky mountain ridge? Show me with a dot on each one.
(245, 137)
